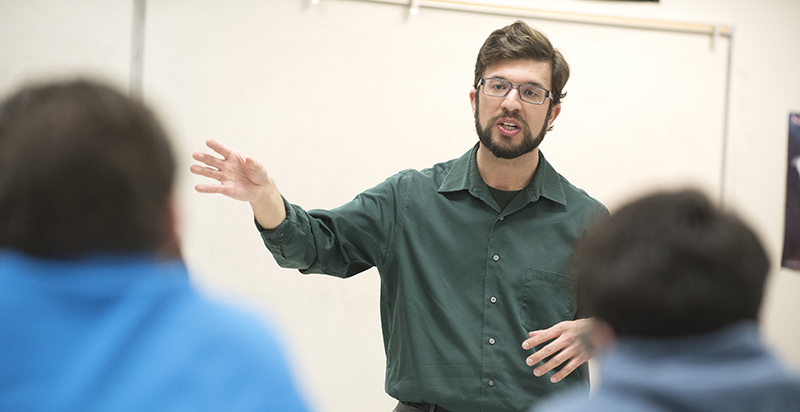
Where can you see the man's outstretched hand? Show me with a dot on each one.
(241, 177)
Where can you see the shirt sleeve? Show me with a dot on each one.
(340, 242)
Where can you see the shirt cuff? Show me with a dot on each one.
(282, 231)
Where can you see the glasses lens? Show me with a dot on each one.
(496, 87)
(532, 94)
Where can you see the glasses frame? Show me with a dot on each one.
(547, 93)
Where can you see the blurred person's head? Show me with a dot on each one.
(668, 265)
(83, 169)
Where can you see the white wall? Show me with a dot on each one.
(644, 110)
(53, 38)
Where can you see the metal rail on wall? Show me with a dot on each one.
(415, 6)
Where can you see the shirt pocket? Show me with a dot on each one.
(546, 299)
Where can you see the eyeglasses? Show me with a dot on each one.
(527, 93)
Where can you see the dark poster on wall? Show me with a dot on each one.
(791, 234)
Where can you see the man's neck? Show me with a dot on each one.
(507, 174)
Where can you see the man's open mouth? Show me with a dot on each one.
(509, 126)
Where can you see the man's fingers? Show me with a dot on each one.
(566, 349)
(208, 159)
(207, 172)
(553, 362)
(206, 188)
(220, 148)
(252, 165)
(539, 337)
(569, 359)
(545, 352)
(566, 370)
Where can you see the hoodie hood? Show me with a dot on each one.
(729, 370)
(725, 370)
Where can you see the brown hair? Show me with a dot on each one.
(521, 41)
(83, 169)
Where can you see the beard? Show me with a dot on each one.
(528, 144)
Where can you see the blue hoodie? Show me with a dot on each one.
(129, 333)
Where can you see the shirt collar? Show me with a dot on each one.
(464, 175)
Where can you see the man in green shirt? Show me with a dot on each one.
(472, 253)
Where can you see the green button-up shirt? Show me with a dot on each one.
(462, 281)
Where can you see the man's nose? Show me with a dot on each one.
(512, 101)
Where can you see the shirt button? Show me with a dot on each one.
(502, 217)
(493, 299)
(491, 341)
(491, 382)
(496, 258)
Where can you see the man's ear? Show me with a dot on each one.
(171, 245)
(553, 114)
(472, 97)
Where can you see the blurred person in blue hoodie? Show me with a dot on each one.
(676, 285)
(98, 312)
